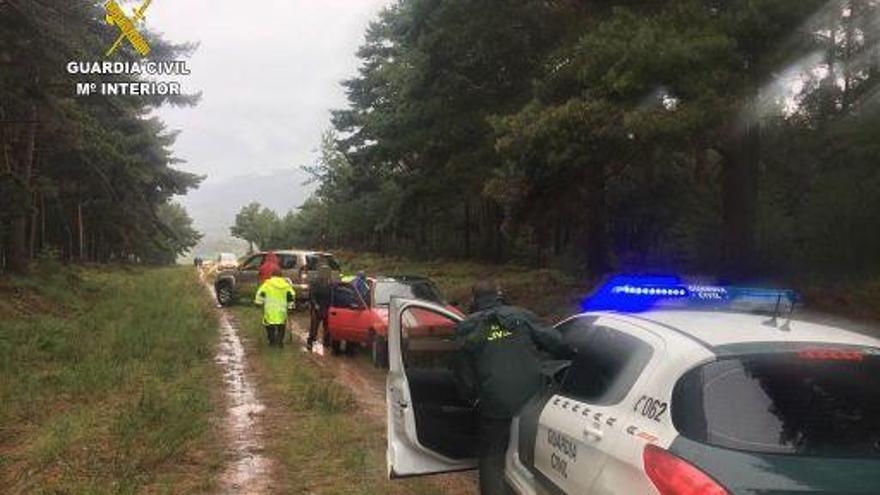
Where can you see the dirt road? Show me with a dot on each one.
(248, 470)
(367, 384)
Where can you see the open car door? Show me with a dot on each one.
(431, 429)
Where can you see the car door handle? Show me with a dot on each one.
(593, 433)
(333, 313)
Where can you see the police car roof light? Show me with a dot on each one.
(635, 293)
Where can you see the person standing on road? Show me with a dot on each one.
(498, 368)
(277, 297)
(270, 264)
(319, 304)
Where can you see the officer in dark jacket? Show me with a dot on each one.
(320, 288)
(499, 368)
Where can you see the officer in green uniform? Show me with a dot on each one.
(499, 368)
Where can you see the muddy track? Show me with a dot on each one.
(367, 384)
(248, 470)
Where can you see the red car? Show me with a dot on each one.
(356, 320)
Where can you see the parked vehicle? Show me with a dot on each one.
(676, 401)
(226, 261)
(298, 266)
(356, 320)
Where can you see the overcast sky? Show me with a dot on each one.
(270, 73)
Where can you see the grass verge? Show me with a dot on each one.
(313, 426)
(107, 382)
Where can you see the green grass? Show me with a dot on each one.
(859, 299)
(107, 382)
(314, 428)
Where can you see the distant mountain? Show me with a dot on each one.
(214, 205)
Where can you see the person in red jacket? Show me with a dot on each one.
(270, 264)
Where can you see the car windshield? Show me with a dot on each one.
(419, 289)
(314, 260)
(822, 402)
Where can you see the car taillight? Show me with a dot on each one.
(820, 354)
(674, 476)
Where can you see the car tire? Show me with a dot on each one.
(348, 348)
(371, 346)
(379, 349)
(225, 294)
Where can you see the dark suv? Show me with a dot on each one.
(298, 266)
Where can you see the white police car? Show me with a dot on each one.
(659, 398)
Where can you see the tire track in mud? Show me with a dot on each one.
(248, 470)
(367, 384)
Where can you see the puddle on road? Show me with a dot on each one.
(248, 470)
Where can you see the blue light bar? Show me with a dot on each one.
(645, 290)
(633, 293)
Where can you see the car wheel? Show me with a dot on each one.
(379, 347)
(371, 345)
(348, 348)
(225, 296)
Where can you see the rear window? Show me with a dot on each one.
(421, 289)
(314, 260)
(822, 402)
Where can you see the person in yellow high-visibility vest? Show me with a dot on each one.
(277, 297)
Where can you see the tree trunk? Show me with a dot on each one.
(80, 231)
(498, 254)
(739, 176)
(18, 235)
(496, 237)
(467, 228)
(42, 220)
(422, 230)
(829, 83)
(597, 225)
(32, 240)
(557, 236)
